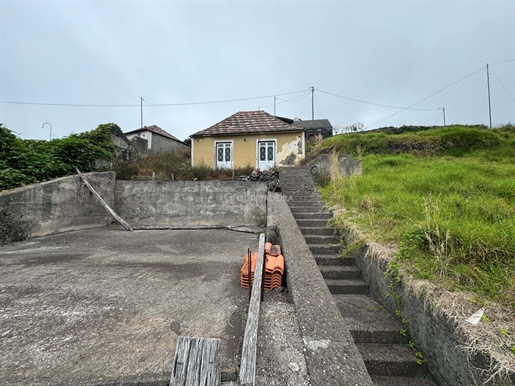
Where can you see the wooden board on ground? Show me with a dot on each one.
(248, 354)
(197, 362)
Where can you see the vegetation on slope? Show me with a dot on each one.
(446, 196)
(28, 161)
(25, 162)
(177, 164)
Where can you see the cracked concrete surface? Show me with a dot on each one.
(101, 306)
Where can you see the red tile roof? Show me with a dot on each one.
(247, 122)
(155, 129)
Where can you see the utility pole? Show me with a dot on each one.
(312, 103)
(141, 102)
(274, 106)
(489, 104)
(443, 109)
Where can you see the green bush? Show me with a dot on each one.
(29, 161)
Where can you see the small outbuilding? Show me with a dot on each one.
(158, 140)
(315, 127)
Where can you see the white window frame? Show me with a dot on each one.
(274, 140)
(232, 151)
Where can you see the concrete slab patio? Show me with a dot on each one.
(100, 306)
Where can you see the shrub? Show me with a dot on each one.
(29, 161)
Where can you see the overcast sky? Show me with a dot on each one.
(392, 53)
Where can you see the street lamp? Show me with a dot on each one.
(43, 126)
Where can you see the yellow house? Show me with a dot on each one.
(253, 138)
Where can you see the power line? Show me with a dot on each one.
(427, 97)
(450, 116)
(371, 103)
(437, 119)
(504, 61)
(507, 92)
(319, 106)
(503, 104)
(294, 99)
(154, 105)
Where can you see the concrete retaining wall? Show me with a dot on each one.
(433, 332)
(65, 204)
(346, 165)
(61, 205)
(191, 203)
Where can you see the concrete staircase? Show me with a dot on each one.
(387, 355)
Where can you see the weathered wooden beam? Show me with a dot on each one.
(197, 362)
(109, 209)
(248, 354)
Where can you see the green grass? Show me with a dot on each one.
(455, 141)
(452, 214)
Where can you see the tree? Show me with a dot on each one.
(354, 128)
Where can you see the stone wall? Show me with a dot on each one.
(123, 148)
(61, 205)
(346, 165)
(191, 203)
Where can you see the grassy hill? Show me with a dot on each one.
(445, 195)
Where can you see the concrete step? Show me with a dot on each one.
(303, 223)
(369, 322)
(312, 216)
(306, 204)
(308, 209)
(338, 286)
(391, 359)
(381, 380)
(299, 194)
(333, 259)
(321, 239)
(303, 197)
(316, 231)
(345, 272)
(296, 201)
(317, 249)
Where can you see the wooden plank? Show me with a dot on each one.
(180, 362)
(210, 373)
(196, 362)
(248, 354)
(109, 209)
